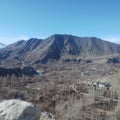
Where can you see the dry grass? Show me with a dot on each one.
(52, 91)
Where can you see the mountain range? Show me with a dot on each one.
(2, 45)
(58, 46)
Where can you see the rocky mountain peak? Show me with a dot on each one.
(59, 46)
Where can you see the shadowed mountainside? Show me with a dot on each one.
(27, 71)
(58, 46)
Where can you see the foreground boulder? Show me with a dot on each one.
(18, 110)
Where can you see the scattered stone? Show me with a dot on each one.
(47, 116)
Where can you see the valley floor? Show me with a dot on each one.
(69, 91)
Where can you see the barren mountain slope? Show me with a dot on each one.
(58, 46)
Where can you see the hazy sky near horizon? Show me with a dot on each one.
(23, 19)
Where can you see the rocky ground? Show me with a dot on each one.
(54, 92)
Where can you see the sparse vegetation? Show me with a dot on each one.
(67, 90)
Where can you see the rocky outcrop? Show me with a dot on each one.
(27, 71)
(113, 60)
(18, 110)
(76, 60)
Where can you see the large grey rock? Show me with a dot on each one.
(18, 110)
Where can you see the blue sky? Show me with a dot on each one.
(23, 19)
